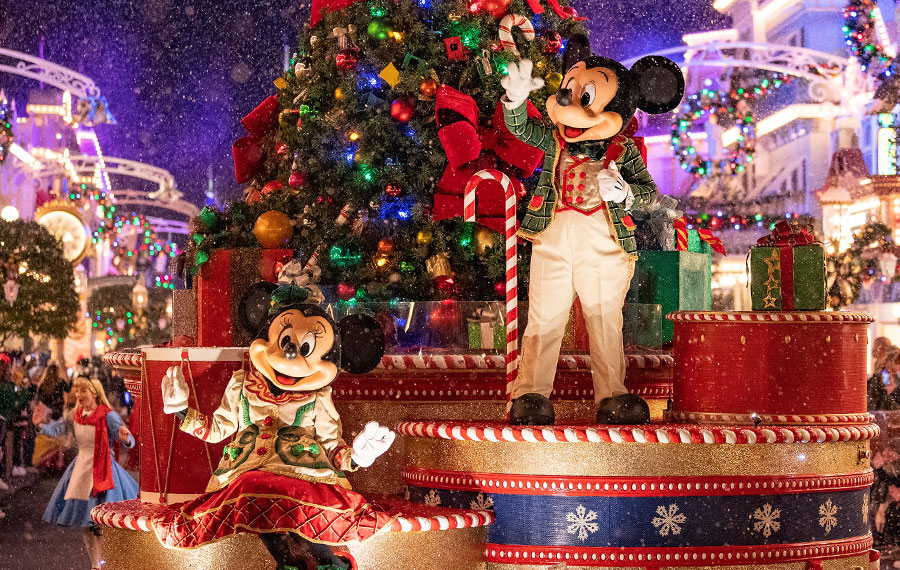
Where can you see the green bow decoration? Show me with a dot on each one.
(299, 449)
(288, 295)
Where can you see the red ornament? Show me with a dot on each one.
(271, 187)
(446, 285)
(386, 246)
(297, 179)
(403, 109)
(500, 289)
(281, 149)
(554, 42)
(345, 291)
(428, 87)
(347, 59)
(497, 8)
(445, 322)
(393, 189)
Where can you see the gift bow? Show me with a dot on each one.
(470, 147)
(785, 234)
(681, 237)
(320, 6)
(247, 151)
(286, 295)
(564, 13)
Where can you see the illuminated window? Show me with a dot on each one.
(887, 152)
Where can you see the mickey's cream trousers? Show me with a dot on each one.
(576, 255)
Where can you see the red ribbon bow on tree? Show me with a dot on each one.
(681, 237)
(248, 151)
(564, 13)
(785, 234)
(471, 147)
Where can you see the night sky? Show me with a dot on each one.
(180, 75)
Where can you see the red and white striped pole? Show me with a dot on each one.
(512, 276)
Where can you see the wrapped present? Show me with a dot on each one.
(675, 280)
(487, 328)
(642, 325)
(787, 271)
(184, 313)
(698, 241)
(221, 283)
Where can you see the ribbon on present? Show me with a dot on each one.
(564, 13)
(470, 148)
(681, 237)
(248, 151)
(785, 234)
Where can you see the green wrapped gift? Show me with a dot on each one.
(642, 326)
(487, 334)
(787, 271)
(675, 280)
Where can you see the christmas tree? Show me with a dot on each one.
(360, 160)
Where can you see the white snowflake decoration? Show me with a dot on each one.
(669, 521)
(582, 522)
(767, 520)
(433, 499)
(483, 502)
(828, 515)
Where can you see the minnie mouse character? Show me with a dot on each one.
(283, 474)
(578, 217)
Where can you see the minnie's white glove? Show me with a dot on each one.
(371, 442)
(613, 187)
(174, 391)
(519, 83)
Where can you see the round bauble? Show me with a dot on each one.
(346, 291)
(347, 59)
(394, 277)
(273, 229)
(554, 80)
(497, 8)
(500, 289)
(446, 285)
(386, 246)
(428, 87)
(378, 29)
(484, 238)
(403, 109)
(297, 179)
(424, 237)
(339, 94)
(554, 42)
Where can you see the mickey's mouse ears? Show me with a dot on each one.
(659, 84)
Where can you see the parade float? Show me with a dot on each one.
(757, 450)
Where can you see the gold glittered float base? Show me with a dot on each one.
(459, 549)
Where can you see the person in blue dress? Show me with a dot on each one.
(94, 477)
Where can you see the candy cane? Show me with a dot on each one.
(509, 22)
(342, 218)
(512, 277)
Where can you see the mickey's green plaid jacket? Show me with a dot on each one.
(543, 199)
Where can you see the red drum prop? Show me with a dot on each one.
(175, 466)
(770, 368)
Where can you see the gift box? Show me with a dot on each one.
(221, 283)
(675, 280)
(642, 325)
(184, 313)
(787, 271)
(487, 330)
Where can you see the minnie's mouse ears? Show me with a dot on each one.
(362, 343)
(659, 84)
(253, 310)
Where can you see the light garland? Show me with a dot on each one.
(734, 106)
(111, 231)
(6, 132)
(861, 35)
(733, 221)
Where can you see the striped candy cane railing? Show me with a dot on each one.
(512, 276)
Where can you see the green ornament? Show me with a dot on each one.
(208, 216)
(378, 30)
(198, 238)
(345, 254)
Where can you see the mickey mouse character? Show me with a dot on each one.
(283, 474)
(578, 218)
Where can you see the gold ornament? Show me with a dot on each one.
(273, 229)
(484, 238)
(554, 80)
(424, 237)
(339, 94)
(438, 265)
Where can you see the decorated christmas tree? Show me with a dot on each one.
(359, 162)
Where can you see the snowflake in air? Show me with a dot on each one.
(767, 520)
(582, 523)
(669, 521)
(828, 515)
(433, 499)
(483, 502)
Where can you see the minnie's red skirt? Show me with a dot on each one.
(259, 502)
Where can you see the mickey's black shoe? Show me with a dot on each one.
(532, 410)
(624, 409)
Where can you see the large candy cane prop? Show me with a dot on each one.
(509, 22)
(512, 276)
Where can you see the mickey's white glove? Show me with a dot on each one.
(371, 442)
(613, 187)
(174, 391)
(519, 83)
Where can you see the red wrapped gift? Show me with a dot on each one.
(222, 282)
